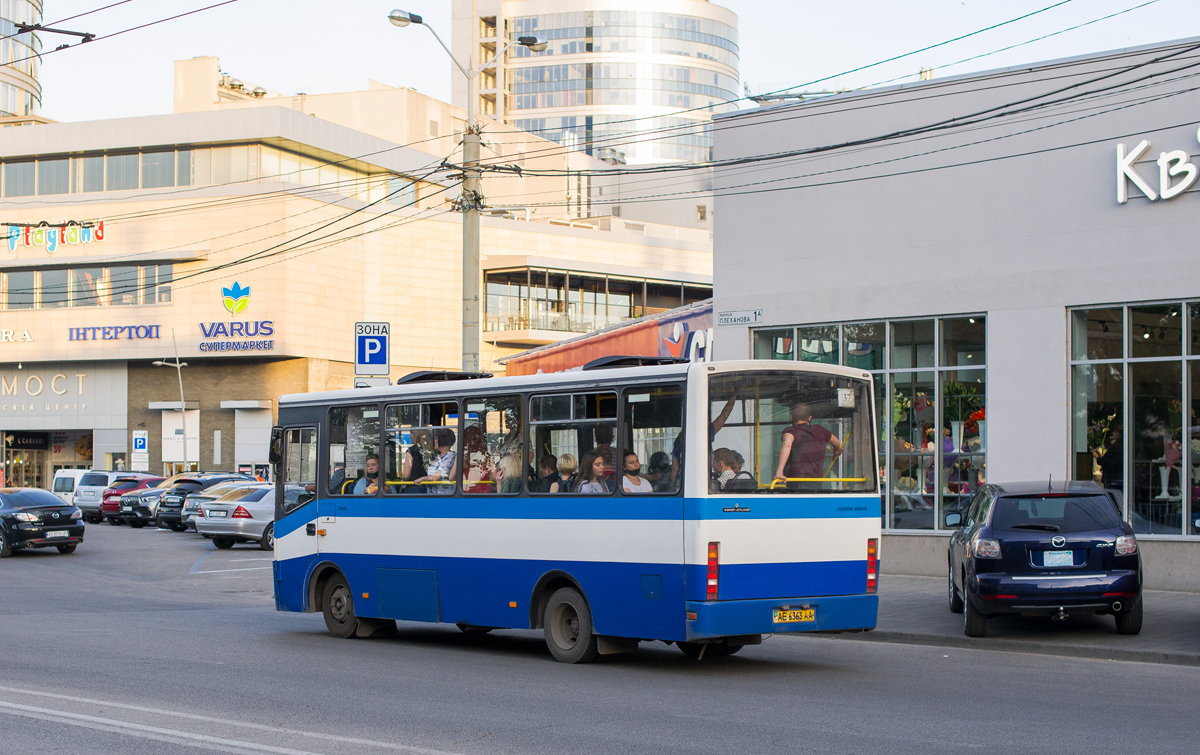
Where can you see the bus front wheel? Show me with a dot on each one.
(338, 608)
(568, 627)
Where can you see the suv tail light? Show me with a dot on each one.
(240, 513)
(714, 566)
(872, 565)
(986, 548)
(1126, 545)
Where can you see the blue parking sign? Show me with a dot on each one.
(140, 442)
(371, 356)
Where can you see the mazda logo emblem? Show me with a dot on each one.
(55, 515)
(1058, 541)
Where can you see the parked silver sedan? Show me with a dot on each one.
(191, 505)
(244, 515)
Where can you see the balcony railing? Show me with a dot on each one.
(553, 321)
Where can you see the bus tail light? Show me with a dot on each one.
(714, 566)
(241, 513)
(872, 565)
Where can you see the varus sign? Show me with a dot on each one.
(51, 237)
(1176, 173)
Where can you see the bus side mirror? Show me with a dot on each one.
(953, 520)
(276, 452)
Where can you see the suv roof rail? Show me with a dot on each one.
(621, 360)
(433, 376)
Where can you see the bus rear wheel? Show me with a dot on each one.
(338, 608)
(568, 627)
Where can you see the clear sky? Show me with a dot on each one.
(320, 46)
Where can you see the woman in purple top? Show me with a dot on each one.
(803, 451)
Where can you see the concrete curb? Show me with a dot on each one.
(1022, 646)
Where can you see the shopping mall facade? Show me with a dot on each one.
(1014, 261)
(250, 240)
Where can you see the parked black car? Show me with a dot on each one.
(170, 505)
(33, 518)
(1043, 549)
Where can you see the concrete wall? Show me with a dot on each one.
(1016, 217)
(1166, 564)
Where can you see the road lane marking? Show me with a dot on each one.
(244, 568)
(207, 553)
(227, 722)
(174, 736)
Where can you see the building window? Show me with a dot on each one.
(930, 404)
(701, 212)
(88, 287)
(1135, 393)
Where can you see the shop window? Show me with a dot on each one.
(1097, 424)
(492, 452)
(1097, 333)
(86, 289)
(19, 179)
(652, 440)
(53, 288)
(54, 176)
(87, 174)
(774, 344)
(123, 285)
(354, 433)
(121, 172)
(912, 344)
(864, 345)
(20, 289)
(1155, 331)
(914, 436)
(963, 437)
(577, 430)
(818, 344)
(964, 342)
(158, 170)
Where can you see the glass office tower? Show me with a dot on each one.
(20, 93)
(632, 82)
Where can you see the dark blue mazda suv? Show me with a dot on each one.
(1043, 549)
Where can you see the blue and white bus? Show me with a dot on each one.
(436, 499)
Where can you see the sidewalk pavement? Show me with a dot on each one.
(914, 610)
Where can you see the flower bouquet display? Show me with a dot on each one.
(959, 403)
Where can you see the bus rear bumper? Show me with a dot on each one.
(727, 618)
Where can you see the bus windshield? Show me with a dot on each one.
(790, 432)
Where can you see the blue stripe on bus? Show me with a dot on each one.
(566, 507)
(754, 581)
(479, 592)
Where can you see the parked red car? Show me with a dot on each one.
(110, 501)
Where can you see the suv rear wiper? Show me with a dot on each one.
(1042, 527)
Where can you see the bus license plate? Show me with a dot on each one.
(793, 616)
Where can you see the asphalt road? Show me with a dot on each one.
(148, 641)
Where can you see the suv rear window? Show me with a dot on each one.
(1055, 513)
(124, 485)
(94, 478)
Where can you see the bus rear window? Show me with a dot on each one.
(790, 432)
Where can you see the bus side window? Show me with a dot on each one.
(493, 446)
(441, 421)
(567, 428)
(354, 450)
(652, 440)
(300, 462)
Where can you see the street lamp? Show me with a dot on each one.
(178, 365)
(471, 196)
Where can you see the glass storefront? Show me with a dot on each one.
(930, 403)
(1135, 392)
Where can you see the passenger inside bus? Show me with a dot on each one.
(509, 473)
(567, 467)
(604, 440)
(478, 466)
(368, 484)
(722, 467)
(591, 474)
(443, 470)
(548, 480)
(414, 467)
(802, 454)
(632, 481)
